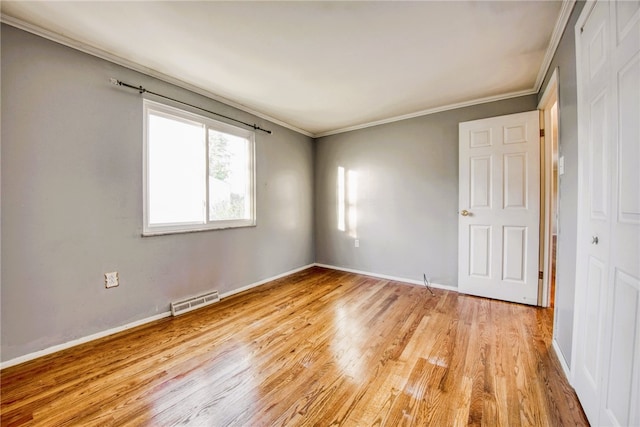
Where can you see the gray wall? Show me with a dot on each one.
(71, 182)
(407, 194)
(565, 61)
(72, 203)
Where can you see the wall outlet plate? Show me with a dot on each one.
(111, 280)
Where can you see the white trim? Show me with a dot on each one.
(565, 368)
(102, 334)
(99, 53)
(556, 36)
(154, 108)
(551, 93)
(82, 340)
(430, 111)
(558, 30)
(548, 90)
(264, 281)
(387, 277)
(563, 18)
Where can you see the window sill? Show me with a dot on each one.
(165, 232)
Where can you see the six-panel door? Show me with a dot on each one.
(499, 206)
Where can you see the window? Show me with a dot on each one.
(198, 172)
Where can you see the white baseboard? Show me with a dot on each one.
(102, 334)
(262, 282)
(82, 340)
(384, 276)
(563, 362)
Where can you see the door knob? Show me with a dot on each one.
(465, 212)
(594, 240)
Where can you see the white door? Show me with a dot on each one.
(499, 201)
(594, 205)
(607, 332)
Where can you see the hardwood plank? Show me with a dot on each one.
(320, 347)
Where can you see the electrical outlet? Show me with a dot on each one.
(357, 243)
(111, 280)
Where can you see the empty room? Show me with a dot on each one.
(318, 213)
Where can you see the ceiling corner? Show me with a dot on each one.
(558, 30)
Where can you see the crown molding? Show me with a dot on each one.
(558, 30)
(556, 36)
(560, 26)
(421, 113)
(102, 54)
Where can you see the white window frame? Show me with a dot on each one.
(157, 108)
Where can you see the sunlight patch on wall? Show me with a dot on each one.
(347, 203)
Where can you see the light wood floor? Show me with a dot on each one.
(320, 347)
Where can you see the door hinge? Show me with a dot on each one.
(540, 275)
(541, 133)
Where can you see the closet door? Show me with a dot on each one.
(606, 371)
(620, 401)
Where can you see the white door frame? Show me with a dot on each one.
(549, 97)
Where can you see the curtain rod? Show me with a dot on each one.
(143, 90)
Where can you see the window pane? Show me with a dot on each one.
(229, 177)
(176, 171)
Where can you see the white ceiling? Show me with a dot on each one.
(319, 67)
